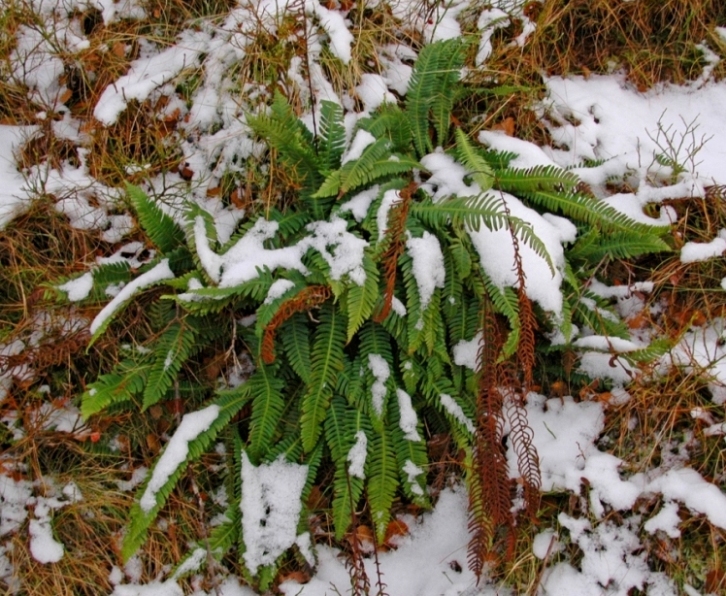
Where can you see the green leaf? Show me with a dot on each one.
(481, 172)
(332, 135)
(229, 403)
(432, 88)
(267, 408)
(295, 339)
(127, 380)
(546, 178)
(171, 350)
(161, 229)
(327, 362)
(341, 427)
(361, 300)
(616, 246)
(382, 480)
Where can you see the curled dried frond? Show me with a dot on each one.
(305, 300)
(396, 238)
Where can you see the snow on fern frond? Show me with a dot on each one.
(270, 508)
(357, 455)
(408, 419)
(153, 276)
(381, 372)
(176, 452)
(428, 265)
(496, 252)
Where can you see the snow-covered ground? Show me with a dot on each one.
(630, 136)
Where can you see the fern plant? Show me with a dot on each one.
(354, 303)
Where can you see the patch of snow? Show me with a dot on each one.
(428, 265)
(78, 288)
(456, 412)
(277, 290)
(693, 252)
(175, 454)
(666, 520)
(381, 372)
(604, 118)
(408, 420)
(412, 472)
(14, 198)
(361, 140)
(466, 353)
(357, 455)
(149, 73)
(158, 273)
(270, 509)
(359, 204)
(43, 547)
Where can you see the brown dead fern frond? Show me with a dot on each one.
(490, 501)
(48, 354)
(305, 300)
(521, 438)
(396, 239)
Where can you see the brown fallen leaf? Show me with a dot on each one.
(506, 126)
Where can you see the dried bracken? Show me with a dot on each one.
(396, 239)
(308, 298)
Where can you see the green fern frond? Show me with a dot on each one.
(375, 162)
(499, 160)
(106, 277)
(155, 273)
(506, 302)
(327, 361)
(463, 211)
(287, 135)
(656, 349)
(331, 142)
(442, 102)
(375, 346)
(171, 350)
(255, 289)
(587, 209)
(432, 88)
(428, 332)
(409, 455)
(480, 170)
(127, 381)
(221, 539)
(545, 178)
(454, 278)
(159, 227)
(593, 248)
(295, 337)
(435, 387)
(229, 403)
(390, 122)
(414, 314)
(361, 300)
(267, 310)
(382, 480)
(473, 211)
(592, 312)
(341, 427)
(350, 382)
(267, 407)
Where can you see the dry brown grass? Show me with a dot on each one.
(37, 247)
(652, 42)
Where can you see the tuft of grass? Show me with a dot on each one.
(34, 248)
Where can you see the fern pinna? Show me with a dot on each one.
(355, 304)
